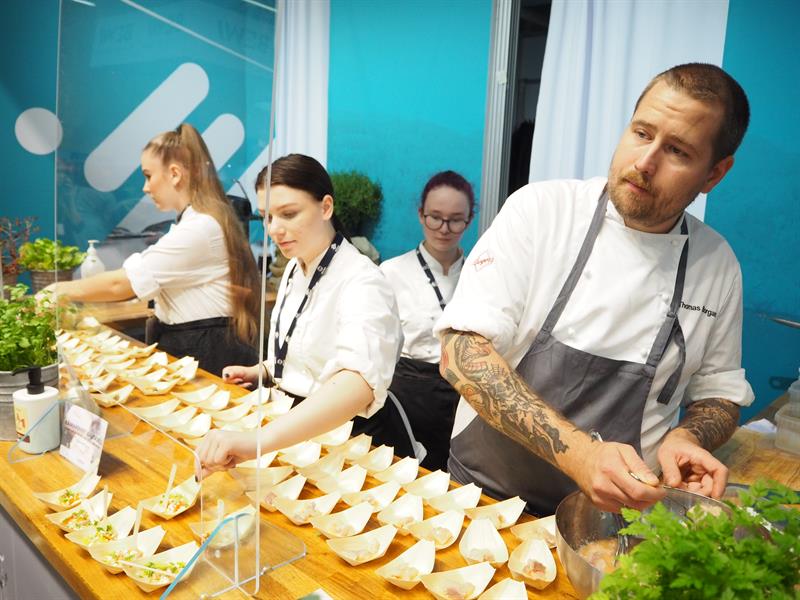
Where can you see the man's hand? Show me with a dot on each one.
(222, 450)
(688, 466)
(609, 475)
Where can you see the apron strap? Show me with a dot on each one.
(671, 327)
(577, 268)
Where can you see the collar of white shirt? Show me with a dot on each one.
(436, 267)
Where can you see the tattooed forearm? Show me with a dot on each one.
(500, 396)
(711, 421)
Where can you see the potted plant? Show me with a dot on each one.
(27, 338)
(13, 234)
(358, 206)
(49, 261)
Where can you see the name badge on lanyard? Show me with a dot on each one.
(282, 349)
(431, 278)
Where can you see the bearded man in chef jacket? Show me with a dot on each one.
(590, 311)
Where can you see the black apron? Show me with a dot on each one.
(210, 341)
(593, 392)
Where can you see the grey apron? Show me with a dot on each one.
(593, 392)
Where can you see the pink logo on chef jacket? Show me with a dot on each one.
(483, 260)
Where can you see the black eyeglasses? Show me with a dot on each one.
(453, 225)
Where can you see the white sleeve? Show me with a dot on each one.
(493, 287)
(368, 336)
(173, 262)
(720, 374)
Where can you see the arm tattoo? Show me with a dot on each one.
(500, 395)
(712, 421)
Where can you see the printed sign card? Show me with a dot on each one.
(83, 437)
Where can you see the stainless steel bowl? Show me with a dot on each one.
(579, 522)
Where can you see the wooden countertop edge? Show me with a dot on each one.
(39, 539)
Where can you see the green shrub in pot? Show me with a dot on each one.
(358, 200)
(27, 331)
(49, 260)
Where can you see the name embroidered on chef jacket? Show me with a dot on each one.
(704, 309)
(483, 260)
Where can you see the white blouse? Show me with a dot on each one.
(350, 323)
(417, 301)
(186, 271)
(516, 270)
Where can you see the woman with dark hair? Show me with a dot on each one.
(334, 335)
(201, 274)
(424, 280)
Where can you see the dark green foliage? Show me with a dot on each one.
(357, 200)
(27, 331)
(716, 557)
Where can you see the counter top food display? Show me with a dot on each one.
(370, 525)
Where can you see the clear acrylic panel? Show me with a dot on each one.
(128, 71)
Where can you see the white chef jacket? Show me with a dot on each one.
(186, 271)
(417, 302)
(350, 323)
(514, 273)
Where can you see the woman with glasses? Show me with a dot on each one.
(424, 280)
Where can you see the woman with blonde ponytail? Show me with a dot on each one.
(201, 274)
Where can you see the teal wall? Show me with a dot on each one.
(407, 98)
(757, 206)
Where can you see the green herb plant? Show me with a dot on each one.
(46, 255)
(27, 331)
(357, 200)
(752, 553)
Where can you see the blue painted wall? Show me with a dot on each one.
(407, 98)
(757, 206)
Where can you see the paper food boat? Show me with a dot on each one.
(88, 512)
(177, 365)
(532, 562)
(252, 398)
(379, 497)
(501, 514)
(465, 583)
(177, 419)
(196, 396)
(288, 490)
(328, 466)
(157, 410)
(459, 498)
(300, 455)
(248, 423)
(301, 512)
(152, 377)
(403, 471)
(242, 524)
(230, 415)
(100, 384)
(119, 396)
(542, 529)
(349, 481)
(402, 513)
(93, 370)
(137, 372)
(269, 476)
(218, 401)
(197, 427)
(378, 459)
(442, 529)
(71, 496)
(120, 367)
(407, 570)
(359, 549)
(344, 523)
(168, 564)
(279, 406)
(507, 589)
(355, 447)
(148, 388)
(151, 357)
(335, 437)
(135, 547)
(181, 498)
(482, 542)
(250, 467)
(114, 527)
(430, 485)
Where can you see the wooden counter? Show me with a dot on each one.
(135, 466)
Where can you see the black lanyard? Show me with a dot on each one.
(431, 278)
(282, 349)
